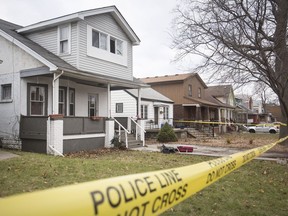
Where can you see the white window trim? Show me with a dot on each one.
(1, 94)
(106, 54)
(69, 39)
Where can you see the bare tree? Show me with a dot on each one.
(240, 41)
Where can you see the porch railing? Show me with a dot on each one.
(142, 130)
(120, 126)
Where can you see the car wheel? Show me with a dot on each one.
(272, 131)
(251, 131)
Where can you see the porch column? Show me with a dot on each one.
(198, 112)
(55, 135)
(139, 103)
(109, 100)
(109, 130)
(55, 92)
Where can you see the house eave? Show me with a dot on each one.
(51, 66)
(80, 16)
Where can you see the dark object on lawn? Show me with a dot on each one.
(168, 150)
(185, 148)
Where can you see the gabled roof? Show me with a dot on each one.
(219, 90)
(7, 30)
(149, 94)
(172, 78)
(213, 92)
(54, 63)
(80, 16)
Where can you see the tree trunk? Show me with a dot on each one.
(281, 63)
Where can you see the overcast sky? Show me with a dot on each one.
(150, 19)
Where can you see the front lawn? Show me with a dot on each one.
(257, 188)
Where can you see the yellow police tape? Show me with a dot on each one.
(133, 195)
(224, 123)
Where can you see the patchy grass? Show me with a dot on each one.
(257, 188)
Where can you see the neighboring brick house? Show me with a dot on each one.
(66, 66)
(188, 93)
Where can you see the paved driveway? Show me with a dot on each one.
(216, 151)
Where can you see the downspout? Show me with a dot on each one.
(53, 90)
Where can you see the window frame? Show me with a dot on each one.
(190, 90)
(64, 103)
(199, 92)
(165, 112)
(69, 102)
(117, 54)
(68, 39)
(4, 91)
(119, 108)
(96, 109)
(144, 111)
(45, 108)
(100, 41)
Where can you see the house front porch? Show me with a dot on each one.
(66, 112)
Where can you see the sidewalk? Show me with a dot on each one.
(215, 151)
(6, 155)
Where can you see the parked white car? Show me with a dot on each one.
(263, 128)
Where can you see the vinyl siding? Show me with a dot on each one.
(49, 40)
(46, 38)
(129, 104)
(107, 24)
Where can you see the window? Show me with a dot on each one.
(92, 105)
(199, 92)
(71, 102)
(62, 101)
(116, 46)
(144, 111)
(37, 98)
(99, 40)
(190, 90)
(64, 39)
(166, 112)
(6, 92)
(104, 46)
(119, 107)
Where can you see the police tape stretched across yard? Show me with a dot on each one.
(133, 195)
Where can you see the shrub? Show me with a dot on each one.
(116, 143)
(166, 134)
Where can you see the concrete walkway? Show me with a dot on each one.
(215, 151)
(6, 155)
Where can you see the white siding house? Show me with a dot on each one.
(57, 75)
(156, 109)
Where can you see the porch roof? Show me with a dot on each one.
(87, 78)
(201, 102)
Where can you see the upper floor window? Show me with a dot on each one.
(199, 92)
(105, 46)
(64, 39)
(6, 92)
(116, 46)
(190, 90)
(99, 40)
